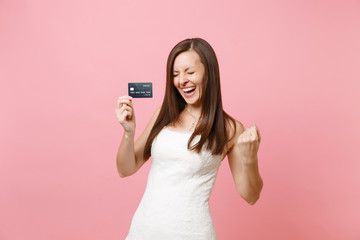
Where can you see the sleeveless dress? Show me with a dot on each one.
(175, 204)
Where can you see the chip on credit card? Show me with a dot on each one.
(140, 90)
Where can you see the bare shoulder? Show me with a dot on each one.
(141, 141)
(153, 119)
(150, 125)
(234, 131)
(156, 113)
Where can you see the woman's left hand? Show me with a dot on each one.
(248, 143)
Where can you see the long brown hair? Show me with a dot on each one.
(213, 123)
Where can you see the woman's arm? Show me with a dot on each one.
(243, 162)
(130, 155)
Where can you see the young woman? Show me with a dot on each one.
(187, 139)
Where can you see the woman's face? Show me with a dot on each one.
(188, 75)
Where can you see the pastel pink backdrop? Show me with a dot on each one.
(292, 67)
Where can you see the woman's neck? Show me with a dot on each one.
(194, 111)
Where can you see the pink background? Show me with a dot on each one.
(292, 67)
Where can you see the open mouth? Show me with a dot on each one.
(188, 92)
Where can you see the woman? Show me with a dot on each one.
(187, 138)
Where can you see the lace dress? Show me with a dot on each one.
(175, 204)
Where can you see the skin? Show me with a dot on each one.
(242, 148)
(189, 72)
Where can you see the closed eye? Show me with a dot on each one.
(191, 73)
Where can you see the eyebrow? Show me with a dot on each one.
(185, 69)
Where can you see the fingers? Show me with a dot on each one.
(124, 113)
(254, 135)
(258, 132)
(124, 100)
(250, 135)
(245, 136)
(124, 109)
(124, 103)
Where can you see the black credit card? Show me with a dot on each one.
(140, 90)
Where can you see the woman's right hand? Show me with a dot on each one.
(125, 114)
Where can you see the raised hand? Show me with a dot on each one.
(248, 143)
(125, 113)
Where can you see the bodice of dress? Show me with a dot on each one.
(176, 199)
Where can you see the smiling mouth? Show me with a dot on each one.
(189, 91)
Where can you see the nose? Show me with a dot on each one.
(182, 79)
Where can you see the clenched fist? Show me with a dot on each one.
(125, 113)
(248, 143)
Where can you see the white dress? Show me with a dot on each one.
(175, 204)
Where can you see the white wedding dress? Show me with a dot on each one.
(175, 204)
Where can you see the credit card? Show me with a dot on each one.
(140, 90)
